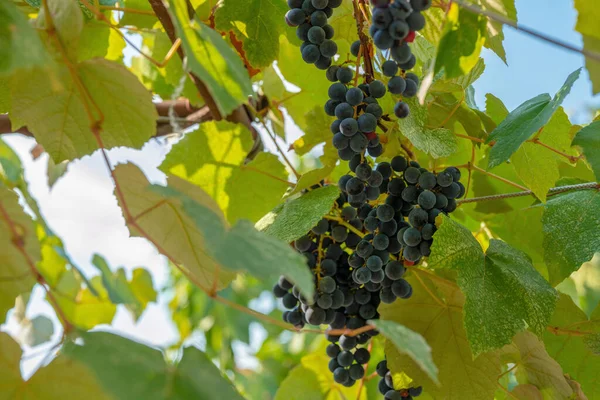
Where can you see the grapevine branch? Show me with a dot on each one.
(506, 21)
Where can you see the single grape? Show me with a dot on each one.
(396, 85)
(412, 77)
(385, 169)
(394, 270)
(335, 125)
(387, 296)
(375, 180)
(410, 64)
(318, 18)
(330, 106)
(455, 172)
(428, 231)
(410, 194)
(310, 54)
(328, 48)
(389, 68)
(396, 186)
(303, 244)
(315, 315)
(400, 288)
(367, 122)
(340, 141)
(375, 151)
(367, 311)
(374, 109)
(295, 3)
(381, 18)
(362, 356)
(332, 350)
(329, 31)
(398, 30)
(302, 31)
(345, 358)
(412, 236)
(444, 179)
(348, 213)
(418, 217)
(363, 171)
(295, 318)
(462, 190)
(363, 275)
(401, 53)
(412, 175)
(399, 164)
(354, 96)
(316, 35)
(385, 212)
(339, 234)
(393, 395)
(344, 110)
(411, 89)
(330, 74)
(427, 200)
(451, 206)
(355, 48)
(348, 127)
(427, 180)
(343, 181)
(341, 375)
(381, 368)
(401, 110)
(295, 17)
(325, 301)
(382, 39)
(374, 263)
(412, 254)
(451, 191)
(416, 21)
(345, 74)
(371, 223)
(425, 248)
(319, 4)
(377, 89)
(337, 91)
(359, 142)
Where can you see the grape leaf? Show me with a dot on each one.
(164, 221)
(536, 165)
(524, 121)
(195, 376)
(21, 46)
(67, 22)
(312, 177)
(570, 235)
(587, 25)
(213, 158)
(316, 131)
(565, 342)
(294, 218)
(258, 24)
(58, 119)
(17, 228)
(212, 60)
(10, 373)
(311, 380)
(243, 248)
(143, 289)
(97, 39)
(139, 20)
(589, 140)
(10, 163)
(461, 43)
(410, 343)
(501, 279)
(344, 23)
(437, 314)
(438, 142)
(533, 365)
(495, 108)
(494, 34)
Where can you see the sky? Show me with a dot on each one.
(82, 210)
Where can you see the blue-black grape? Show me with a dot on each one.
(295, 17)
(389, 68)
(345, 74)
(427, 180)
(382, 39)
(344, 110)
(367, 123)
(398, 30)
(412, 175)
(416, 21)
(337, 91)
(396, 85)
(427, 200)
(412, 236)
(401, 109)
(318, 18)
(311, 54)
(359, 142)
(354, 96)
(348, 126)
(401, 53)
(418, 217)
(355, 48)
(328, 48)
(411, 88)
(331, 74)
(377, 89)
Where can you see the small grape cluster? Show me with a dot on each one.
(357, 111)
(311, 17)
(386, 385)
(394, 25)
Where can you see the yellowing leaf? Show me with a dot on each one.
(54, 111)
(162, 219)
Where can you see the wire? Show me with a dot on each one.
(554, 190)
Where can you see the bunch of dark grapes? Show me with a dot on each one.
(310, 17)
(386, 385)
(357, 111)
(394, 25)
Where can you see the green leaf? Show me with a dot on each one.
(99, 40)
(17, 229)
(10, 372)
(67, 21)
(495, 108)
(10, 163)
(143, 289)
(565, 342)
(344, 23)
(214, 158)
(135, 19)
(536, 165)
(524, 121)
(587, 25)
(57, 117)
(163, 219)
(461, 43)
(294, 218)
(438, 142)
(533, 365)
(257, 24)
(501, 279)
(589, 140)
(311, 380)
(212, 60)
(570, 224)
(36, 331)
(195, 376)
(494, 34)
(316, 131)
(311, 178)
(437, 314)
(56, 171)
(115, 283)
(243, 248)
(410, 343)
(21, 46)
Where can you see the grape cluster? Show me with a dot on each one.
(358, 255)
(386, 385)
(357, 111)
(393, 26)
(310, 17)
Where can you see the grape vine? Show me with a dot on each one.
(384, 218)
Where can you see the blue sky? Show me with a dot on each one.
(536, 67)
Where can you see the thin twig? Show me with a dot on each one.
(554, 190)
(498, 177)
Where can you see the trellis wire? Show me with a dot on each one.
(554, 190)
